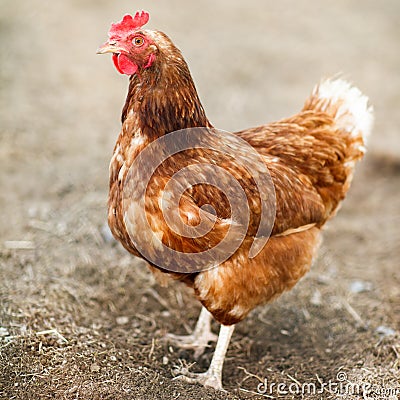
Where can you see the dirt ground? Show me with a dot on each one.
(79, 317)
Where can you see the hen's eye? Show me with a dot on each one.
(138, 41)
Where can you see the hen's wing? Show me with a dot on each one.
(311, 155)
(304, 157)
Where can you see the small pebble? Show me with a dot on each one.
(360, 286)
(385, 331)
(316, 298)
(165, 360)
(324, 279)
(95, 368)
(3, 332)
(122, 320)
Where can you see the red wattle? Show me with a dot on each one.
(115, 61)
(124, 65)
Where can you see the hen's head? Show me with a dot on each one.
(132, 48)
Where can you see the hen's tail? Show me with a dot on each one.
(351, 119)
(348, 106)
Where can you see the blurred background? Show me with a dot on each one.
(253, 62)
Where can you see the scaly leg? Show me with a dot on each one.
(200, 337)
(213, 376)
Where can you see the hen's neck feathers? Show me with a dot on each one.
(163, 98)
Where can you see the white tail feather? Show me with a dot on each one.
(353, 114)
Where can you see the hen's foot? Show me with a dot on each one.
(213, 376)
(210, 378)
(199, 339)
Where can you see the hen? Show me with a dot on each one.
(293, 175)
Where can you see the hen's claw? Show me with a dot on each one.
(199, 339)
(195, 342)
(208, 378)
(213, 376)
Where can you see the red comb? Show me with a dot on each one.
(128, 24)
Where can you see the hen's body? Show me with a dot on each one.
(310, 158)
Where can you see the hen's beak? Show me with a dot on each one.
(108, 47)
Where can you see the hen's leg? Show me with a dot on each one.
(200, 337)
(213, 376)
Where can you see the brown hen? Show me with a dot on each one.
(307, 161)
